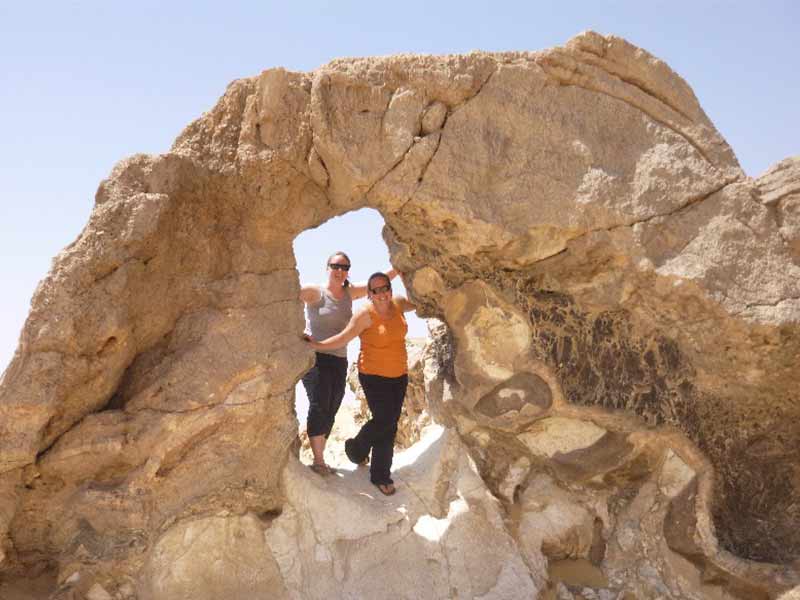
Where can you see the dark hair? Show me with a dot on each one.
(339, 253)
(347, 258)
(375, 276)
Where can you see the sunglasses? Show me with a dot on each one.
(381, 289)
(337, 267)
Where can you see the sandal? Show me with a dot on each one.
(320, 469)
(387, 489)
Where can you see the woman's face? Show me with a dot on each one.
(338, 266)
(380, 291)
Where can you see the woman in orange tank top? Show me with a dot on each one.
(382, 372)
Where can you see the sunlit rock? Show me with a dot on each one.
(620, 309)
(557, 435)
(214, 557)
(441, 535)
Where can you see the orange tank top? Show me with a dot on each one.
(383, 345)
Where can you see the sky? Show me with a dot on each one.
(84, 84)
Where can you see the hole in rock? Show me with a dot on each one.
(358, 234)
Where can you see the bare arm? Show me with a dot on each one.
(358, 323)
(310, 294)
(359, 290)
(404, 305)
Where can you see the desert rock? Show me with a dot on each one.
(621, 310)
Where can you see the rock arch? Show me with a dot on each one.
(572, 214)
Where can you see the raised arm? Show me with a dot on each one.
(403, 304)
(359, 290)
(358, 323)
(310, 294)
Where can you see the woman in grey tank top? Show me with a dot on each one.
(328, 310)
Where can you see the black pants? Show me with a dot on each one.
(324, 385)
(385, 397)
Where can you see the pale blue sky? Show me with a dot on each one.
(83, 84)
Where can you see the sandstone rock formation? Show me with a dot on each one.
(618, 383)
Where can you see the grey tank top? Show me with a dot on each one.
(328, 317)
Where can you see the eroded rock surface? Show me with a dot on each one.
(617, 377)
(338, 535)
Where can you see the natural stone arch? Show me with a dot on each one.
(577, 204)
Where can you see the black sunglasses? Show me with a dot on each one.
(381, 289)
(337, 267)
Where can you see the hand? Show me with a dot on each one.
(306, 338)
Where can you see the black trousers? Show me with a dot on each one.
(385, 397)
(324, 385)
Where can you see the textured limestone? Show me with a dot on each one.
(213, 557)
(621, 306)
(779, 189)
(338, 536)
(553, 523)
